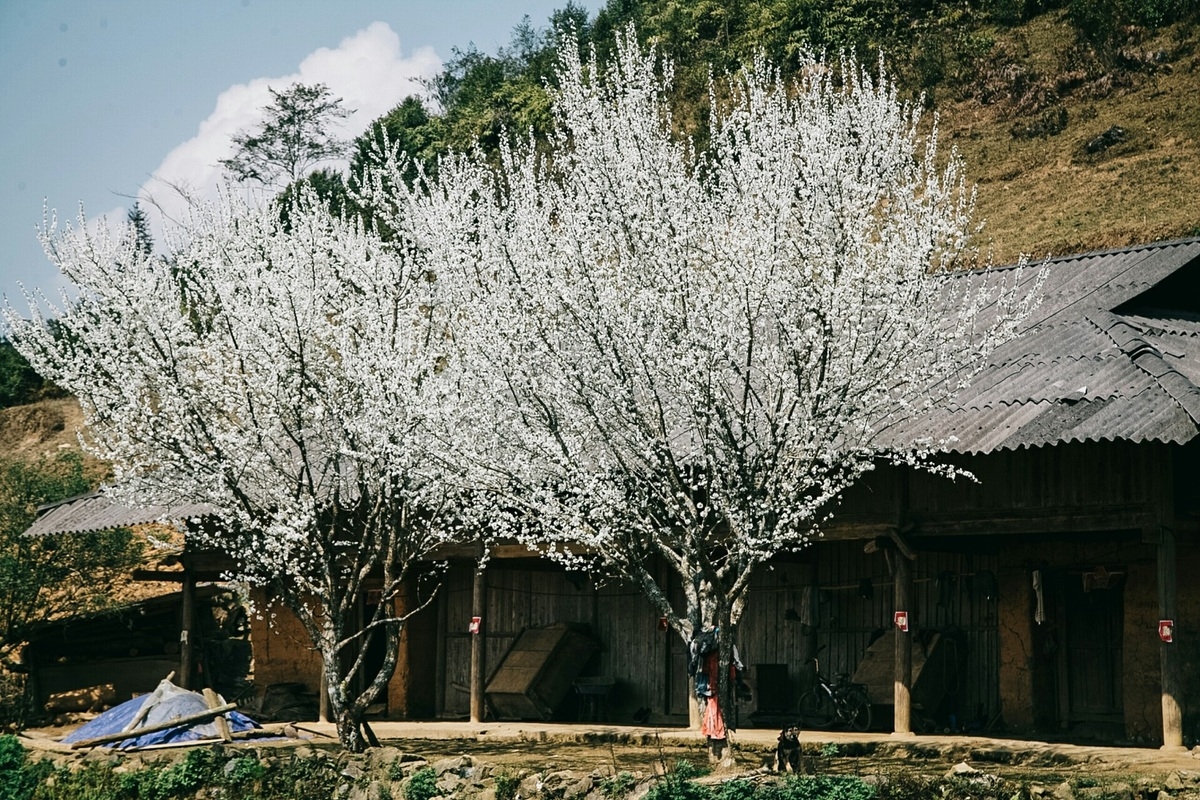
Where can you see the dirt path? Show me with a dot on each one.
(537, 747)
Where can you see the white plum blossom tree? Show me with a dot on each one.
(281, 374)
(686, 354)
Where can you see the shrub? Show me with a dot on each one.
(736, 789)
(678, 784)
(506, 786)
(617, 786)
(422, 785)
(824, 787)
(18, 777)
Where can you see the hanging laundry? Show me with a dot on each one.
(1039, 615)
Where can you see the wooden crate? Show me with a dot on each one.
(931, 669)
(538, 671)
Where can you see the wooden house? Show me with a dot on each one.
(1046, 577)
(1037, 595)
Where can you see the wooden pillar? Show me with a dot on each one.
(478, 642)
(187, 634)
(902, 601)
(1172, 686)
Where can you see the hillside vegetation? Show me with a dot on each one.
(1078, 120)
(1079, 156)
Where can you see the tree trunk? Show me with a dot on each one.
(348, 707)
(716, 613)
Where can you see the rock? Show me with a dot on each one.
(449, 783)
(375, 790)
(579, 788)
(556, 783)
(962, 770)
(1189, 777)
(1113, 792)
(383, 756)
(407, 768)
(1064, 791)
(531, 785)
(1098, 144)
(1173, 782)
(458, 765)
(352, 770)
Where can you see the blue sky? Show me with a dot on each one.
(108, 100)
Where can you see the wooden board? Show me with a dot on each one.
(537, 672)
(930, 665)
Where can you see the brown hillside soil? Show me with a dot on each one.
(1040, 190)
(43, 430)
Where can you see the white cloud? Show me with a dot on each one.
(367, 70)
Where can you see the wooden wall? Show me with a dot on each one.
(775, 623)
(633, 652)
(648, 664)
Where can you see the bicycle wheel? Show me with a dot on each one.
(857, 710)
(816, 708)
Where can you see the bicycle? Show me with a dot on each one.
(837, 701)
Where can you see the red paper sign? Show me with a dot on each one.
(474, 626)
(1166, 630)
(662, 623)
(902, 620)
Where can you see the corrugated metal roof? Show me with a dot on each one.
(94, 512)
(1081, 371)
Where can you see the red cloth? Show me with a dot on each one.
(713, 724)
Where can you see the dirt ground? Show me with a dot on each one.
(852, 754)
(547, 747)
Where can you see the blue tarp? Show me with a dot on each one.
(167, 702)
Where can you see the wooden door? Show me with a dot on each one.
(1092, 655)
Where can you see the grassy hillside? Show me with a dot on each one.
(1025, 129)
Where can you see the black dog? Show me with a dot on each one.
(787, 751)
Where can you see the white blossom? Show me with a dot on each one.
(688, 353)
(282, 374)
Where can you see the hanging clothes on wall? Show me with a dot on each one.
(1039, 615)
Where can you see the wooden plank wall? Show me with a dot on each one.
(1049, 487)
(772, 629)
(646, 663)
(633, 651)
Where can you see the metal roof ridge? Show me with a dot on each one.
(1109, 251)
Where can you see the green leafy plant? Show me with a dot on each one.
(18, 776)
(242, 771)
(422, 785)
(616, 786)
(678, 784)
(506, 786)
(736, 789)
(822, 787)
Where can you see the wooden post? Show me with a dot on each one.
(901, 561)
(323, 708)
(1172, 686)
(478, 607)
(1169, 659)
(808, 640)
(902, 596)
(187, 643)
